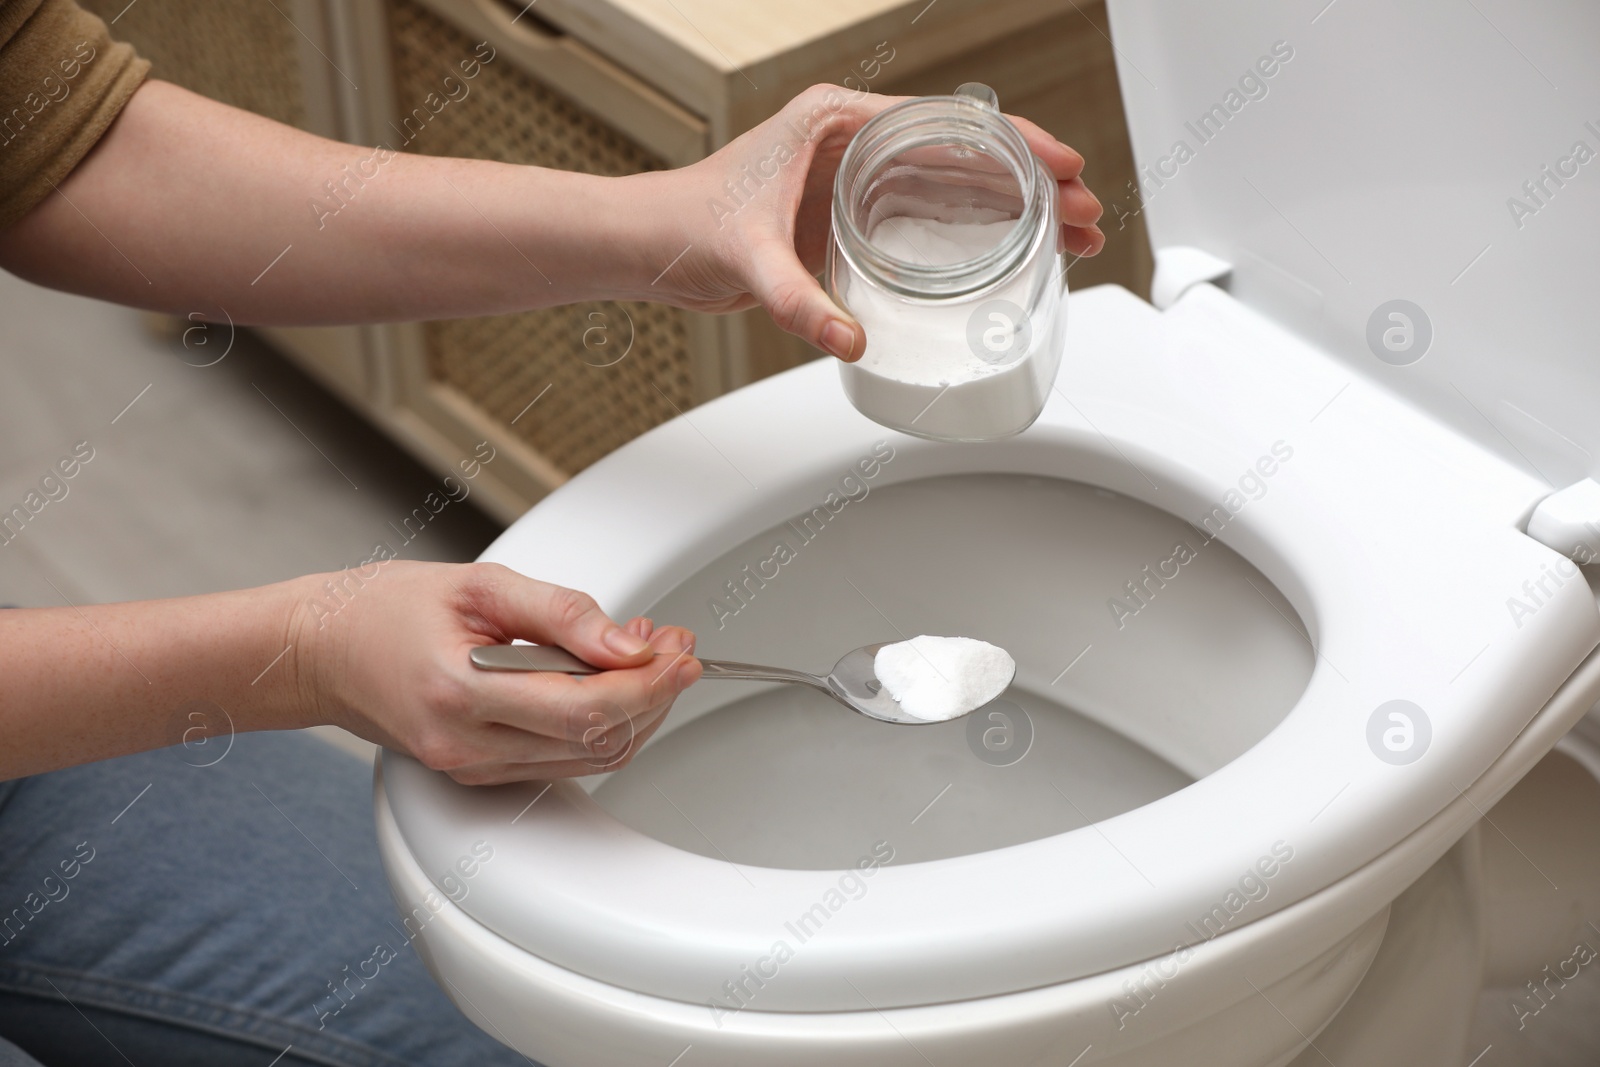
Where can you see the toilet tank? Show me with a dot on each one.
(1413, 186)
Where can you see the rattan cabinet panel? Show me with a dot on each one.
(598, 375)
(533, 374)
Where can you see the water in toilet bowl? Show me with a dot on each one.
(779, 776)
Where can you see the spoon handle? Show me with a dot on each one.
(559, 660)
(756, 672)
(529, 658)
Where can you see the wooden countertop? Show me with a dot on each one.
(731, 35)
(705, 52)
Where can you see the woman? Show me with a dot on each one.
(196, 910)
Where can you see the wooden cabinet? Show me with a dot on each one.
(612, 87)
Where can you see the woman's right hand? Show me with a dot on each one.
(763, 246)
(386, 657)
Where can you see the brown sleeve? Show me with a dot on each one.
(62, 82)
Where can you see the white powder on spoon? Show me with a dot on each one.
(938, 678)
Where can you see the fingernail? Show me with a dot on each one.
(686, 675)
(623, 643)
(838, 338)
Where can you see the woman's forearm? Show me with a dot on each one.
(381, 649)
(198, 209)
(187, 205)
(82, 684)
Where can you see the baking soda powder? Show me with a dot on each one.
(938, 678)
(958, 369)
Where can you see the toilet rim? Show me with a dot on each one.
(1136, 878)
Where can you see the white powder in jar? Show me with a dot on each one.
(938, 678)
(920, 372)
(926, 344)
(936, 243)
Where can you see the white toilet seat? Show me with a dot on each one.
(1396, 540)
(544, 1009)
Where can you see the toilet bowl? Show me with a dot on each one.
(1282, 635)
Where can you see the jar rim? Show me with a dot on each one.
(904, 126)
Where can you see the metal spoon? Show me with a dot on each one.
(853, 683)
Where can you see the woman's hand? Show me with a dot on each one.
(764, 247)
(387, 658)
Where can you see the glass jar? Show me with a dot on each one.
(946, 248)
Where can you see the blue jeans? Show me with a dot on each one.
(157, 912)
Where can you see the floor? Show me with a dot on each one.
(202, 478)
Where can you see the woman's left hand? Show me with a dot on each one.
(764, 246)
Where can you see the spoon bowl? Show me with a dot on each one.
(854, 683)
